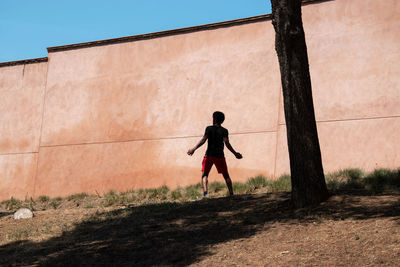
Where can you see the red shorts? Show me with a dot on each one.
(220, 164)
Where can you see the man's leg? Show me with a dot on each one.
(204, 183)
(228, 182)
(206, 167)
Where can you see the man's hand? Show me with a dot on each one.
(190, 151)
(238, 155)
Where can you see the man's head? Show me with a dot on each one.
(218, 117)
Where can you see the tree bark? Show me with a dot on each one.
(307, 175)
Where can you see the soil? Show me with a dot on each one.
(351, 228)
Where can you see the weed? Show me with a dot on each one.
(383, 179)
(56, 202)
(162, 192)
(356, 237)
(257, 182)
(241, 188)
(216, 187)
(377, 181)
(282, 184)
(345, 179)
(79, 196)
(20, 233)
(44, 199)
(47, 229)
(193, 191)
(128, 197)
(151, 193)
(332, 184)
(89, 206)
(12, 204)
(111, 198)
(176, 194)
(155, 193)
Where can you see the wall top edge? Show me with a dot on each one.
(22, 62)
(306, 2)
(132, 38)
(161, 34)
(153, 35)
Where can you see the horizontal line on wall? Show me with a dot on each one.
(17, 153)
(151, 139)
(254, 132)
(355, 119)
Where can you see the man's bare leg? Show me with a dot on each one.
(204, 183)
(228, 182)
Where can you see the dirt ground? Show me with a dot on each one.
(352, 228)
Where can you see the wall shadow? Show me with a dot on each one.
(181, 234)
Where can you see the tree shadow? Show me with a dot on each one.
(181, 234)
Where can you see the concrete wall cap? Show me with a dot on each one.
(153, 35)
(22, 62)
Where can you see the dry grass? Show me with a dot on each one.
(375, 182)
(359, 224)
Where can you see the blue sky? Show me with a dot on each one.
(28, 27)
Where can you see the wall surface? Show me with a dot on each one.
(21, 108)
(122, 115)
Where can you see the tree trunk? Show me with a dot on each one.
(307, 175)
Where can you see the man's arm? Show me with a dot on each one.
(228, 145)
(199, 144)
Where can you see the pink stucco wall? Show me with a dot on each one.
(122, 115)
(21, 108)
(354, 52)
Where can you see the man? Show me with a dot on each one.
(217, 136)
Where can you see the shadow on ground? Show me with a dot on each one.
(2, 214)
(181, 234)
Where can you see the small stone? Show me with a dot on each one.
(23, 213)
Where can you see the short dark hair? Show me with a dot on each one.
(219, 117)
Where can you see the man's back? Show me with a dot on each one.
(215, 135)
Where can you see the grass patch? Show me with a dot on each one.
(257, 182)
(177, 193)
(12, 204)
(153, 194)
(193, 191)
(383, 179)
(376, 181)
(216, 187)
(44, 199)
(241, 188)
(79, 196)
(111, 198)
(20, 233)
(345, 179)
(56, 202)
(282, 184)
(348, 179)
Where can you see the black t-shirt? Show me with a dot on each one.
(216, 136)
